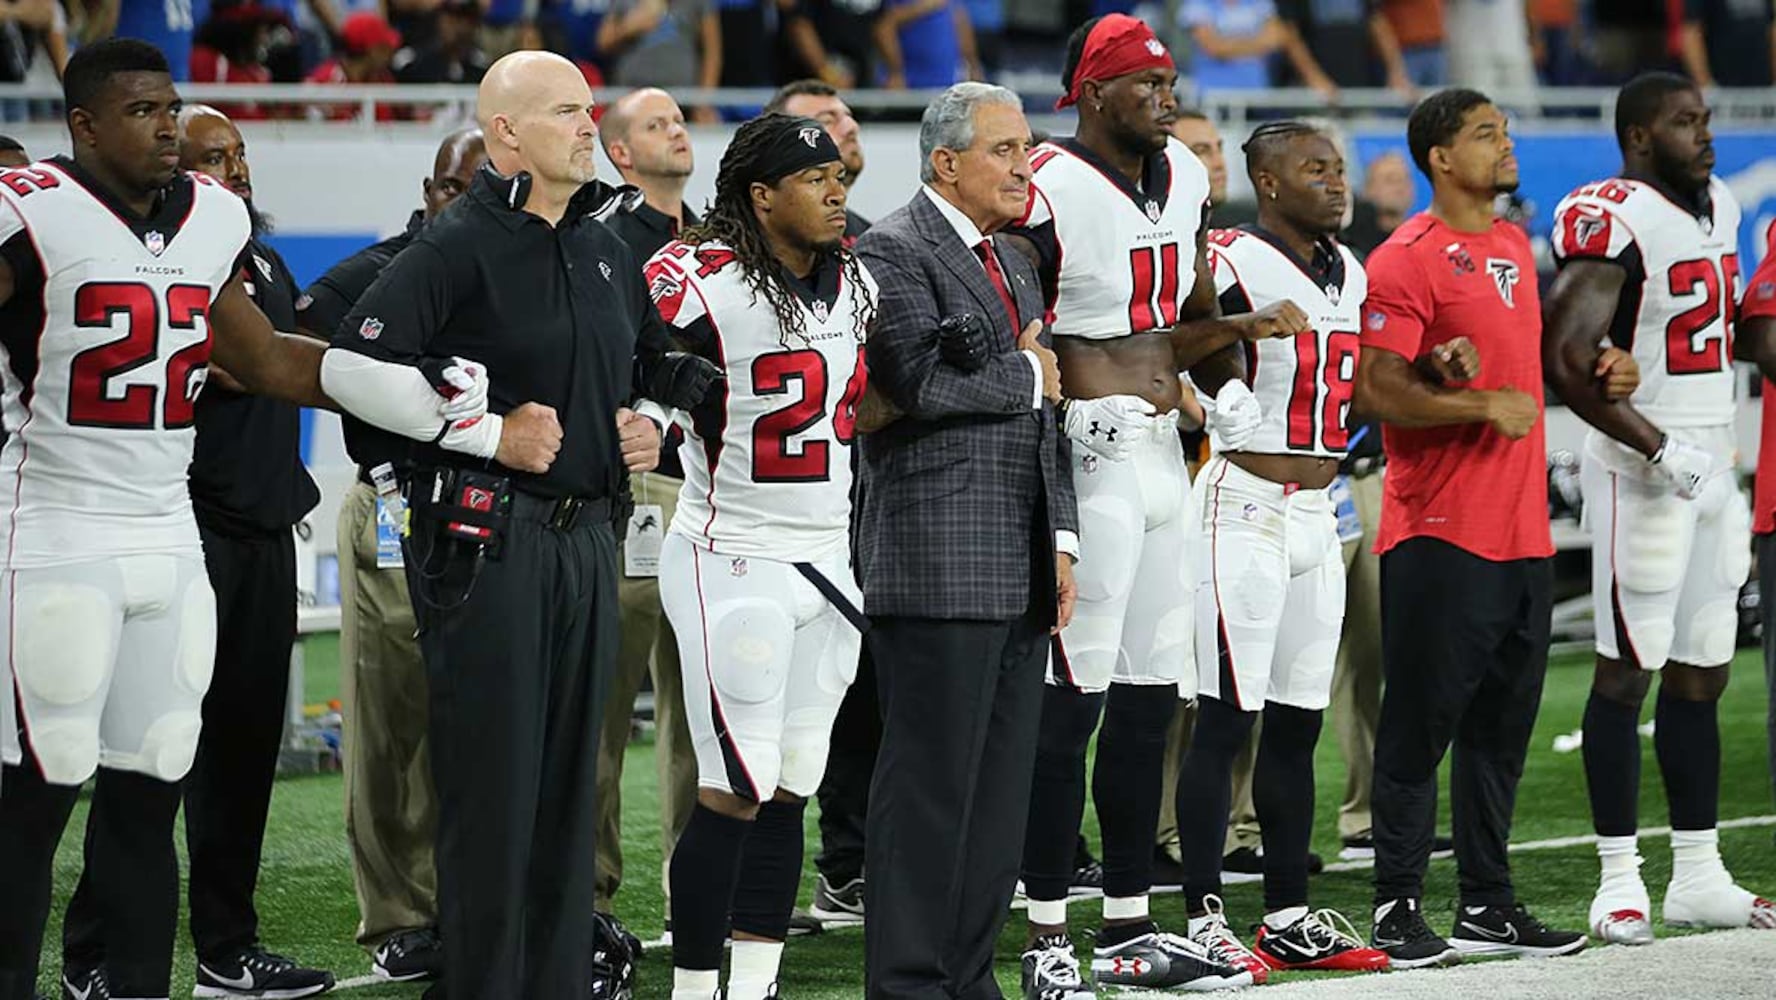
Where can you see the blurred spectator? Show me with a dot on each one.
(749, 41)
(33, 41)
(1387, 198)
(832, 40)
(533, 37)
(662, 43)
(1628, 37)
(166, 24)
(1418, 27)
(453, 55)
(1196, 130)
(232, 44)
(367, 45)
(501, 22)
(987, 18)
(12, 153)
(1727, 43)
(926, 44)
(572, 25)
(1489, 46)
(1342, 43)
(414, 19)
(1558, 53)
(1233, 41)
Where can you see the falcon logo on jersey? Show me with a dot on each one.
(604, 269)
(263, 265)
(154, 241)
(811, 136)
(1587, 231)
(371, 328)
(1505, 276)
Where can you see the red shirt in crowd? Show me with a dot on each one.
(1466, 484)
(332, 72)
(1760, 300)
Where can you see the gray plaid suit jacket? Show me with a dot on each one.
(962, 495)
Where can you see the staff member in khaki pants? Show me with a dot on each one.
(391, 812)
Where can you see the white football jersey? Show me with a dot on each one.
(767, 459)
(1303, 383)
(1676, 308)
(106, 344)
(1118, 259)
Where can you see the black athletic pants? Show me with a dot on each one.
(228, 792)
(517, 671)
(844, 789)
(1464, 650)
(961, 701)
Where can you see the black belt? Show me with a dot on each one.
(562, 513)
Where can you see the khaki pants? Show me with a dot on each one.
(1356, 683)
(648, 648)
(391, 810)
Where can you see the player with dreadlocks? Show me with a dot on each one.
(1270, 597)
(755, 573)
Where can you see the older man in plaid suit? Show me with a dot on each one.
(966, 534)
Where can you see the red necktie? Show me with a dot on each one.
(984, 249)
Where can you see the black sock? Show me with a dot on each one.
(1057, 789)
(705, 867)
(770, 871)
(1612, 765)
(134, 874)
(1125, 782)
(1686, 736)
(1111, 935)
(33, 814)
(1205, 789)
(1283, 794)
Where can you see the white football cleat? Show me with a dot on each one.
(1620, 912)
(1716, 903)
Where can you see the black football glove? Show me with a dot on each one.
(680, 380)
(962, 342)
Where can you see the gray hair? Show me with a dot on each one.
(948, 122)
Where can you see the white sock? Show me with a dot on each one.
(1619, 856)
(695, 984)
(1125, 907)
(753, 968)
(1695, 853)
(1285, 917)
(1047, 912)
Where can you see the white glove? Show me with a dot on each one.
(1233, 416)
(1108, 425)
(1685, 466)
(470, 400)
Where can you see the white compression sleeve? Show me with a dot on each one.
(398, 399)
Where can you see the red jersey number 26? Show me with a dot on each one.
(1687, 351)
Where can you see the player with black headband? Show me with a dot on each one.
(1270, 598)
(755, 573)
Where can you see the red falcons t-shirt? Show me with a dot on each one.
(1760, 300)
(1466, 484)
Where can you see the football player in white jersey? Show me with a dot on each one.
(1270, 600)
(120, 278)
(1648, 260)
(755, 572)
(1116, 226)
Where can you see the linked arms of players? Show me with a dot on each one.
(1430, 391)
(1205, 335)
(1595, 381)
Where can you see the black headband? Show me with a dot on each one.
(801, 144)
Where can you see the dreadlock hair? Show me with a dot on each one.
(730, 219)
(1268, 142)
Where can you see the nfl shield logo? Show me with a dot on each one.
(1089, 463)
(737, 567)
(1152, 210)
(1332, 294)
(1707, 226)
(371, 328)
(820, 310)
(155, 242)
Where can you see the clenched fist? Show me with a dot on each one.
(1279, 319)
(530, 438)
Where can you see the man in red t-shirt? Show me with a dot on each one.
(1451, 364)
(1756, 342)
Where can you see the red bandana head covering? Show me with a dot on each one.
(1117, 46)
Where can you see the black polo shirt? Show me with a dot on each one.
(247, 476)
(646, 229)
(560, 315)
(322, 309)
